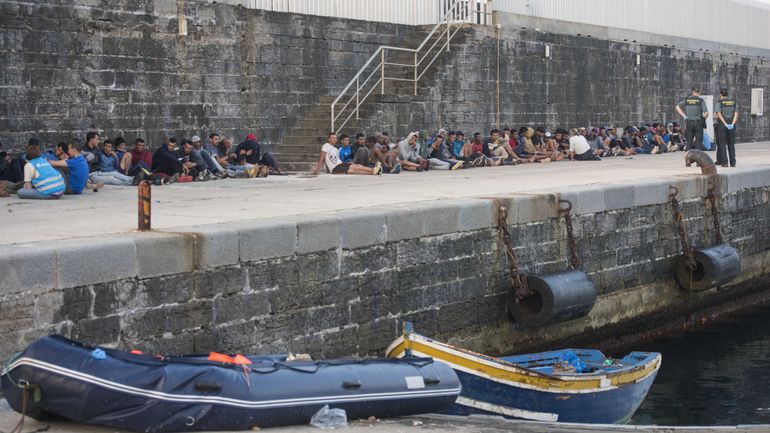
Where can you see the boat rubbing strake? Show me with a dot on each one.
(192, 393)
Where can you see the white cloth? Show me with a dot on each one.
(29, 172)
(578, 144)
(332, 157)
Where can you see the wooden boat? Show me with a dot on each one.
(569, 385)
(58, 377)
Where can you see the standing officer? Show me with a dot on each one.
(694, 111)
(726, 113)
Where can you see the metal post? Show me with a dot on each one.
(415, 73)
(144, 206)
(382, 72)
(332, 117)
(447, 30)
(358, 89)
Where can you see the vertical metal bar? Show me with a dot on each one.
(332, 130)
(447, 30)
(145, 202)
(358, 90)
(382, 72)
(415, 73)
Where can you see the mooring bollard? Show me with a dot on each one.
(144, 206)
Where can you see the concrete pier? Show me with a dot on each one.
(332, 265)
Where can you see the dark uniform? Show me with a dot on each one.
(694, 107)
(726, 137)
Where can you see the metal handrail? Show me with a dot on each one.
(460, 15)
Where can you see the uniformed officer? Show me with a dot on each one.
(694, 110)
(726, 112)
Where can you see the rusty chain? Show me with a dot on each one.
(714, 214)
(518, 280)
(574, 260)
(687, 252)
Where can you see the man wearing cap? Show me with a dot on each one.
(249, 151)
(694, 110)
(726, 113)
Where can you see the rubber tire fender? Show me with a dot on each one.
(558, 297)
(715, 266)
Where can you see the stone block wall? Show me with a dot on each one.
(341, 284)
(586, 81)
(121, 68)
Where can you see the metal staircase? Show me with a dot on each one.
(389, 71)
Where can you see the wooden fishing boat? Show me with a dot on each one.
(569, 385)
(58, 377)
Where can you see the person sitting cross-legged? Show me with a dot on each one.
(579, 149)
(41, 180)
(331, 155)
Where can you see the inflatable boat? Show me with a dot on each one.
(58, 377)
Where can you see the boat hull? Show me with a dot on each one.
(142, 393)
(614, 405)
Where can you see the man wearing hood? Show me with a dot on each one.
(248, 151)
(409, 153)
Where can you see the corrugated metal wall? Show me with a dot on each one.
(724, 21)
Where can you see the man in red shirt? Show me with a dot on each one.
(141, 159)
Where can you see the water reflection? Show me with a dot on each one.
(718, 374)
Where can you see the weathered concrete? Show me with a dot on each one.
(428, 423)
(339, 283)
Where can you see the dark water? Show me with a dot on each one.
(718, 374)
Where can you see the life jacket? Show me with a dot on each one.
(48, 180)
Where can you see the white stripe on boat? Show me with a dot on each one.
(263, 404)
(507, 411)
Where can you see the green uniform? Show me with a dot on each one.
(725, 136)
(694, 107)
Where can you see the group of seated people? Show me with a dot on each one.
(49, 173)
(451, 150)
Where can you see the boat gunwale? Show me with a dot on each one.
(622, 377)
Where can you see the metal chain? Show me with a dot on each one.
(714, 214)
(574, 260)
(518, 281)
(687, 252)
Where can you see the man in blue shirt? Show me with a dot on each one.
(78, 169)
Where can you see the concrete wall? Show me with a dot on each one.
(340, 284)
(586, 81)
(121, 67)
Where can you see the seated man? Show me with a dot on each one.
(330, 154)
(346, 154)
(545, 145)
(77, 167)
(524, 149)
(438, 155)
(249, 151)
(192, 163)
(124, 157)
(141, 159)
(579, 149)
(109, 174)
(41, 180)
(676, 138)
(597, 142)
(409, 156)
(91, 151)
(655, 137)
(479, 153)
(166, 163)
(499, 147)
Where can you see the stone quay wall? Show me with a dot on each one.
(120, 67)
(341, 284)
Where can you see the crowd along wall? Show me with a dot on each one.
(341, 284)
(123, 68)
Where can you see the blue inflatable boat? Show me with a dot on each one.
(62, 378)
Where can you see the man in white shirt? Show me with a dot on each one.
(331, 155)
(579, 149)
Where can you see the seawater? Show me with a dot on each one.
(716, 374)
